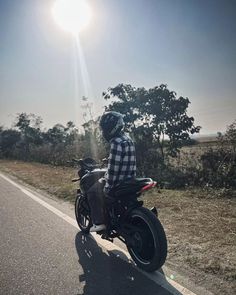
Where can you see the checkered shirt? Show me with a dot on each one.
(121, 161)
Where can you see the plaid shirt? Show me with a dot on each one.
(121, 161)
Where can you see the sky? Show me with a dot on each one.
(190, 45)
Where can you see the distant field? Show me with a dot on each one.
(200, 225)
(206, 139)
(189, 156)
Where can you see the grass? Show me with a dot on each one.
(201, 230)
(54, 180)
(200, 225)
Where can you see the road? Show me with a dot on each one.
(42, 253)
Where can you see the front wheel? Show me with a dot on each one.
(148, 244)
(82, 214)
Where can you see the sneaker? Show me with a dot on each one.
(97, 227)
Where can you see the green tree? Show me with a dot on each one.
(56, 135)
(71, 132)
(61, 134)
(155, 116)
(8, 141)
(61, 142)
(30, 127)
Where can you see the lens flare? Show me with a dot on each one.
(82, 83)
(71, 15)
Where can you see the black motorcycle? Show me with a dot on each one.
(126, 218)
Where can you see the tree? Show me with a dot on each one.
(29, 125)
(155, 116)
(87, 107)
(59, 134)
(8, 141)
(93, 140)
(219, 163)
(71, 132)
(230, 136)
(55, 135)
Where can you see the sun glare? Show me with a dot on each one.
(71, 15)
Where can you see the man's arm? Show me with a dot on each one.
(114, 161)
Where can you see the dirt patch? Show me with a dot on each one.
(201, 228)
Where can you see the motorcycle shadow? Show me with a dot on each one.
(104, 273)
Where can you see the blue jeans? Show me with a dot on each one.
(96, 199)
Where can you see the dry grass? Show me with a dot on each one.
(54, 180)
(201, 228)
(201, 232)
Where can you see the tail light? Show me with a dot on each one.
(148, 187)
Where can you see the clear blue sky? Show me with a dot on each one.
(190, 45)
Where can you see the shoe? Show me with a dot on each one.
(97, 227)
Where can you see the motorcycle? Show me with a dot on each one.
(126, 219)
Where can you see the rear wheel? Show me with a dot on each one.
(148, 244)
(82, 214)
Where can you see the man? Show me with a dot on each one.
(121, 165)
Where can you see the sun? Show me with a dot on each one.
(71, 15)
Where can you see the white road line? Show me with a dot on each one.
(158, 278)
(43, 203)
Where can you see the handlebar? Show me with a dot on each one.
(86, 165)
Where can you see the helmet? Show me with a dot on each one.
(111, 124)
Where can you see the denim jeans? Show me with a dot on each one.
(96, 199)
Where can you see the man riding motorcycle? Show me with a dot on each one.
(121, 166)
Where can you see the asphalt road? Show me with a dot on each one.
(40, 253)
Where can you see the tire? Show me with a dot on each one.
(149, 245)
(82, 214)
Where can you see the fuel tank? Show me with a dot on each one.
(90, 178)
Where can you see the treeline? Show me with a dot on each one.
(155, 118)
(28, 142)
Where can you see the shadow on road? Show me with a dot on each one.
(107, 274)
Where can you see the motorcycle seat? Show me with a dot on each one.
(130, 187)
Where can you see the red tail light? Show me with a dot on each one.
(148, 186)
